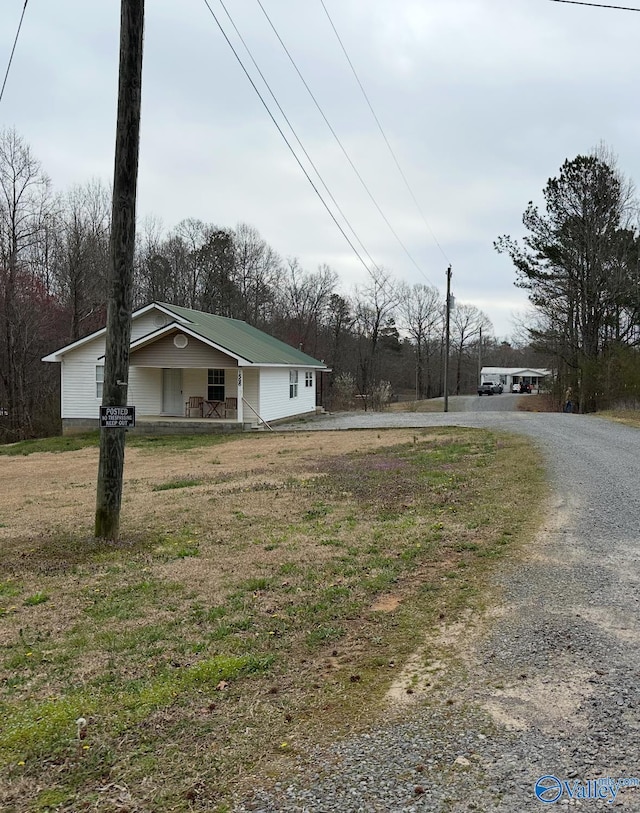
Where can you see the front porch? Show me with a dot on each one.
(214, 396)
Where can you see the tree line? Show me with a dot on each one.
(580, 263)
(382, 337)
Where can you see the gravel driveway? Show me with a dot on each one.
(550, 681)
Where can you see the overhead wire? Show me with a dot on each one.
(596, 5)
(15, 42)
(339, 142)
(295, 135)
(286, 140)
(382, 132)
(380, 279)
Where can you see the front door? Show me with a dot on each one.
(172, 392)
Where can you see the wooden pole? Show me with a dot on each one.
(123, 233)
(447, 341)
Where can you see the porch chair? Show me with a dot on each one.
(194, 402)
(230, 405)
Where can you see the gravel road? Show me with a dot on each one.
(550, 679)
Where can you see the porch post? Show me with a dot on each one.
(240, 394)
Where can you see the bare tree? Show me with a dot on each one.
(466, 323)
(258, 270)
(24, 203)
(421, 309)
(154, 281)
(373, 306)
(304, 301)
(340, 320)
(81, 255)
(219, 292)
(187, 239)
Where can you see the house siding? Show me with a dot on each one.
(194, 382)
(164, 353)
(145, 390)
(78, 377)
(230, 384)
(79, 399)
(251, 394)
(274, 394)
(148, 323)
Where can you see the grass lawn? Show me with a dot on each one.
(630, 417)
(265, 595)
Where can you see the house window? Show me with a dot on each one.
(99, 379)
(215, 388)
(308, 379)
(293, 383)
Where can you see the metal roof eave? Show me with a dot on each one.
(303, 364)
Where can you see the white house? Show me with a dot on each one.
(189, 364)
(508, 376)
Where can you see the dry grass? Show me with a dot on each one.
(537, 403)
(264, 596)
(426, 405)
(630, 417)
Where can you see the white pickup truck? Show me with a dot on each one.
(490, 388)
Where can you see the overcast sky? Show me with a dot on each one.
(481, 100)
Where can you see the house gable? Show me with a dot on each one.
(143, 321)
(170, 351)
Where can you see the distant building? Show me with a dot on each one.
(508, 376)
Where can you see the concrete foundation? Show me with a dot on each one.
(161, 426)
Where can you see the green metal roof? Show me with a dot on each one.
(241, 339)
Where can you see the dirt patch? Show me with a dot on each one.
(425, 668)
(386, 604)
(418, 677)
(541, 703)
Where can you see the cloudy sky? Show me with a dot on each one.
(481, 101)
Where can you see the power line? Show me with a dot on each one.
(380, 279)
(595, 5)
(384, 135)
(15, 42)
(336, 137)
(301, 145)
(286, 140)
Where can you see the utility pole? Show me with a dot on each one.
(480, 356)
(446, 341)
(123, 233)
